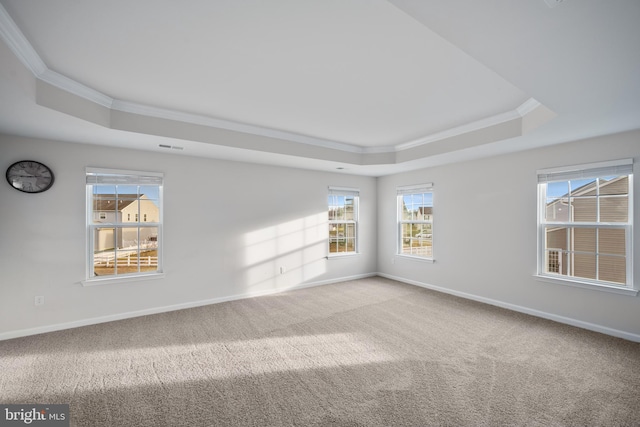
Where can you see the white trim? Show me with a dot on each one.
(69, 85)
(602, 287)
(114, 280)
(526, 310)
(415, 189)
(107, 171)
(528, 106)
(415, 258)
(156, 310)
(574, 168)
(345, 190)
(335, 255)
(19, 45)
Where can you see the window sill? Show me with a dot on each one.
(342, 255)
(121, 279)
(415, 258)
(586, 285)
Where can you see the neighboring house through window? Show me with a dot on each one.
(343, 220)
(585, 218)
(415, 221)
(118, 246)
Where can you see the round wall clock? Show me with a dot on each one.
(30, 176)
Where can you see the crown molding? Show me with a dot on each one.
(528, 106)
(524, 109)
(459, 130)
(65, 83)
(19, 44)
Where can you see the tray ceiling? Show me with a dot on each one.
(372, 86)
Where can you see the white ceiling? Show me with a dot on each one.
(371, 86)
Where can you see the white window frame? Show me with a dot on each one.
(96, 176)
(401, 192)
(575, 172)
(355, 193)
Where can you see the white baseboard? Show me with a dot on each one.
(561, 319)
(155, 310)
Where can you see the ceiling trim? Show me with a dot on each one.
(527, 107)
(19, 44)
(72, 86)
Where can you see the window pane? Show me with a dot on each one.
(614, 185)
(336, 207)
(150, 192)
(584, 265)
(349, 208)
(583, 187)
(556, 238)
(612, 269)
(557, 209)
(555, 190)
(584, 240)
(584, 209)
(612, 241)
(333, 238)
(104, 254)
(104, 208)
(128, 238)
(148, 249)
(406, 208)
(614, 209)
(350, 231)
(350, 245)
(149, 211)
(556, 262)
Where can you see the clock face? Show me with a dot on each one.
(30, 176)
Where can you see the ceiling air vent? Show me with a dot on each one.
(173, 147)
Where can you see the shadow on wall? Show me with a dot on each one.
(285, 255)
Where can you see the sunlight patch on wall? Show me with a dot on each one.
(286, 254)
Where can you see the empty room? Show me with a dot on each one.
(320, 213)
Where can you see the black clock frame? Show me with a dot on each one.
(30, 191)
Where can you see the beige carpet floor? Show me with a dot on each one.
(370, 352)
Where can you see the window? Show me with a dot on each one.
(117, 246)
(415, 221)
(585, 223)
(343, 220)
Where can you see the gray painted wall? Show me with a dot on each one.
(228, 229)
(485, 234)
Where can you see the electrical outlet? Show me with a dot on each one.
(39, 300)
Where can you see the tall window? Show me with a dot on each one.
(584, 223)
(343, 220)
(118, 246)
(415, 221)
